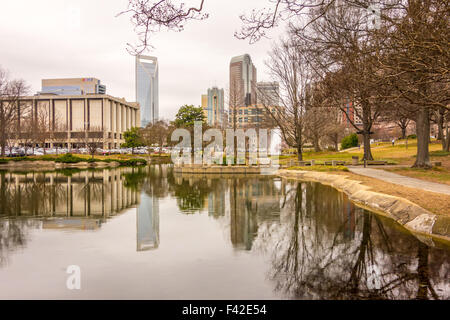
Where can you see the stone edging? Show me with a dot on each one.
(199, 169)
(411, 216)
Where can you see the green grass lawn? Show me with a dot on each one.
(397, 154)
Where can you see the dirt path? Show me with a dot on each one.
(402, 180)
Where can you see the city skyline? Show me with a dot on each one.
(106, 57)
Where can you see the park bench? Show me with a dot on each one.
(299, 163)
(376, 162)
(335, 163)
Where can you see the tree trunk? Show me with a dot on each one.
(299, 143)
(440, 125)
(299, 153)
(423, 138)
(367, 150)
(367, 125)
(403, 132)
(336, 142)
(316, 144)
(3, 140)
(446, 140)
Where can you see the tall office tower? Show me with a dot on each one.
(147, 88)
(72, 86)
(205, 105)
(213, 106)
(242, 81)
(268, 93)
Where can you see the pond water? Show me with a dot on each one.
(148, 233)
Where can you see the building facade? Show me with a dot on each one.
(147, 88)
(253, 116)
(205, 105)
(268, 93)
(213, 106)
(67, 121)
(243, 79)
(72, 86)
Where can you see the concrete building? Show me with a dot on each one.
(213, 106)
(147, 88)
(268, 93)
(67, 119)
(205, 105)
(72, 86)
(242, 81)
(252, 116)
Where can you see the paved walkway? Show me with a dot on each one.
(402, 180)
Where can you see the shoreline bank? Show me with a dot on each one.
(52, 165)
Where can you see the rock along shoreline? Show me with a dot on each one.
(422, 223)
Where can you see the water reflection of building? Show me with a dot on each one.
(147, 223)
(99, 193)
(245, 201)
(251, 200)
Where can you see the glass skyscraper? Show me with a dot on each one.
(147, 88)
(213, 106)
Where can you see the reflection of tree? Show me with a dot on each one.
(191, 195)
(32, 195)
(423, 274)
(135, 179)
(13, 235)
(313, 258)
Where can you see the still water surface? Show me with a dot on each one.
(148, 233)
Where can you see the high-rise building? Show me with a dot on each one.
(268, 93)
(205, 105)
(213, 106)
(147, 88)
(72, 86)
(242, 81)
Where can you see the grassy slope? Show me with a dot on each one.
(397, 154)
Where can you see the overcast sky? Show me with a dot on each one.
(69, 38)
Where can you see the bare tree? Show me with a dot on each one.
(26, 132)
(42, 125)
(441, 117)
(11, 92)
(93, 139)
(416, 63)
(288, 66)
(156, 133)
(149, 17)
